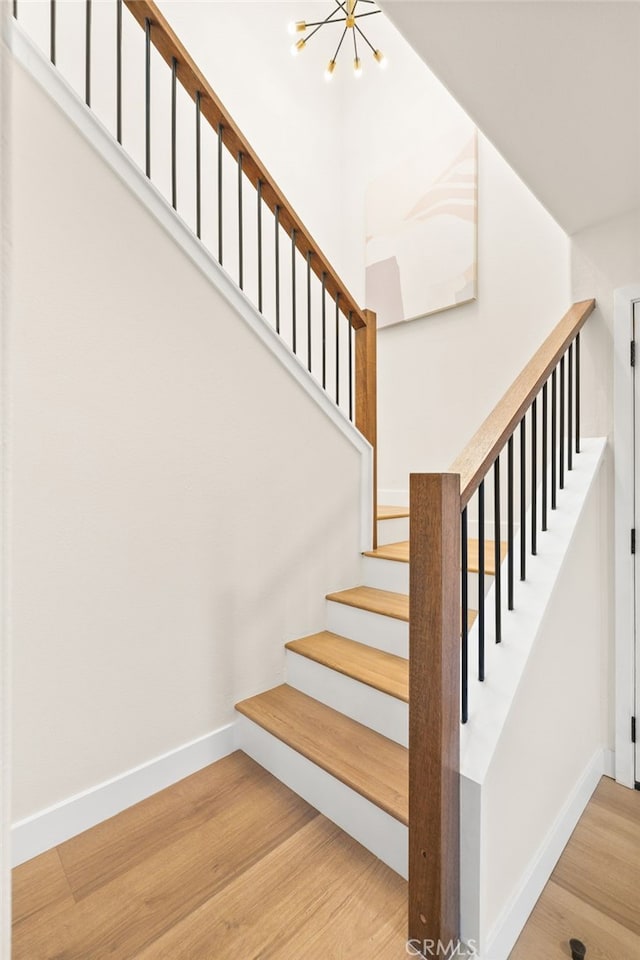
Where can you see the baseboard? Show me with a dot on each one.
(66, 819)
(509, 926)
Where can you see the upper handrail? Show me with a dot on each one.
(193, 80)
(480, 453)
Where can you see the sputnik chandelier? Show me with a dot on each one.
(344, 12)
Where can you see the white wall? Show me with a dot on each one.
(5, 661)
(179, 506)
(543, 755)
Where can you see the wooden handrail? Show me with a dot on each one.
(480, 453)
(193, 80)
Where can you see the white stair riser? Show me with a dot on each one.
(385, 574)
(383, 633)
(378, 711)
(394, 575)
(393, 531)
(376, 830)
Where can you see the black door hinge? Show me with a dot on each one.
(633, 353)
(633, 540)
(633, 729)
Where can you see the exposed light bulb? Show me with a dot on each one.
(297, 26)
(298, 47)
(328, 74)
(357, 67)
(380, 59)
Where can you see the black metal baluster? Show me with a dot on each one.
(554, 440)
(87, 54)
(464, 551)
(277, 257)
(147, 96)
(259, 195)
(324, 331)
(199, 170)
(523, 499)
(544, 456)
(350, 334)
(534, 477)
(174, 178)
(119, 71)
(52, 18)
(293, 290)
(481, 581)
(578, 393)
(510, 523)
(497, 552)
(337, 350)
(220, 129)
(561, 445)
(309, 310)
(570, 408)
(240, 226)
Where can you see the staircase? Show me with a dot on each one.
(337, 731)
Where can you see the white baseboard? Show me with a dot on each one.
(66, 819)
(509, 926)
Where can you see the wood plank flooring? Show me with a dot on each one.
(594, 892)
(228, 863)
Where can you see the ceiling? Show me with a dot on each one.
(554, 84)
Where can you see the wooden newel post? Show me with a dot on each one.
(366, 396)
(434, 709)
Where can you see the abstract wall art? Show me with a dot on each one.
(421, 243)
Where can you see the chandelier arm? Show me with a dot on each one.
(364, 38)
(321, 24)
(344, 33)
(371, 13)
(355, 45)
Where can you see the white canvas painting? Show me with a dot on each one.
(421, 245)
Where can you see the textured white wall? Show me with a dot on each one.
(179, 506)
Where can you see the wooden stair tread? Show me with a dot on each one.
(382, 671)
(384, 602)
(391, 513)
(400, 552)
(372, 765)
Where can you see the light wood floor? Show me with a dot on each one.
(594, 891)
(230, 864)
(227, 864)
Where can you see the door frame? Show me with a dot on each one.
(625, 521)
